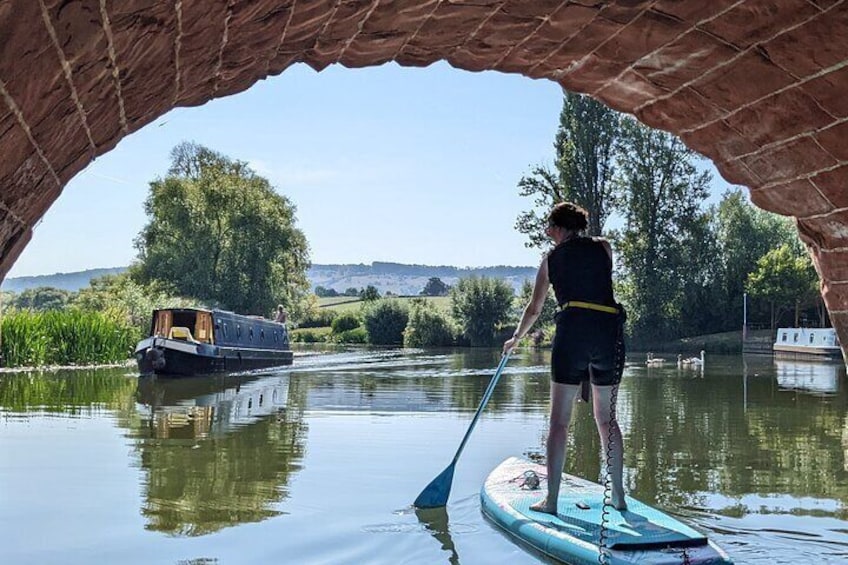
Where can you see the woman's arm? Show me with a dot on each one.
(533, 308)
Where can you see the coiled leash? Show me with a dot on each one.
(620, 357)
(530, 480)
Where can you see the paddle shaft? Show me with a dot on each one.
(486, 395)
(436, 494)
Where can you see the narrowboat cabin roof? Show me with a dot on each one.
(219, 327)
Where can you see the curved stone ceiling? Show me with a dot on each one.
(756, 85)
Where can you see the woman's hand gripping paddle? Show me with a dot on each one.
(436, 494)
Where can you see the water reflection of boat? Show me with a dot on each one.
(211, 405)
(810, 376)
(216, 451)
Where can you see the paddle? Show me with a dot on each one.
(437, 492)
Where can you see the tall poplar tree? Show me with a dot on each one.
(661, 246)
(584, 146)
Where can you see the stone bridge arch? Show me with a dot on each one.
(758, 86)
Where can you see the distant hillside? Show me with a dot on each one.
(386, 277)
(408, 279)
(64, 281)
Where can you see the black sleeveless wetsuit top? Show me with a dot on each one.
(584, 345)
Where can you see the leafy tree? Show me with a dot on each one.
(323, 292)
(585, 144)
(701, 295)
(428, 326)
(385, 321)
(662, 194)
(370, 293)
(784, 278)
(481, 305)
(435, 287)
(41, 298)
(745, 233)
(351, 291)
(220, 233)
(344, 322)
(135, 302)
(549, 308)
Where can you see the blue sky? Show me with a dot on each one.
(383, 164)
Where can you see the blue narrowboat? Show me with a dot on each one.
(194, 341)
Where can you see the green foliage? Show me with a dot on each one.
(220, 233)
(385, 321)
(344, 322)
(744, 234)
(310, 335)
(66, 337)
(370, 293)
(133, 301)
(41, 298)
(428, 326)
(784, 278)
(355, 335)
(322, 292)
(435, 287)
(662, 244)
(480, 305)
(585, 145)
(318, 318)
(549, 308)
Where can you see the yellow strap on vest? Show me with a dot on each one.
(589, 306)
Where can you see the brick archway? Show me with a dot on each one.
(758, 86)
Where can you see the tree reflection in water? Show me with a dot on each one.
(217, 451)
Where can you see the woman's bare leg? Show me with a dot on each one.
(611, 440)
(562, 401)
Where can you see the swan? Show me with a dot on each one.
(654, 361)
(693, 361)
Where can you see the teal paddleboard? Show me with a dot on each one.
(640, 534)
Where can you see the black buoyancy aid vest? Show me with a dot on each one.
(580, 269)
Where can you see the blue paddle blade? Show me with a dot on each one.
(435, 495)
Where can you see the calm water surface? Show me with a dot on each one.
(320, 463)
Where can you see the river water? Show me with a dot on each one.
(319, 464)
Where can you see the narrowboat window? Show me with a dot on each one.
(275, 336)
(783, 337)
(811, 338)
(225, 329)
(238, 331)
(250, 334)
(796, 337)
(262, 334)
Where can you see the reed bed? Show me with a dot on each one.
(65, 337)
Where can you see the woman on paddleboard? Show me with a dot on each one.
(587, 346)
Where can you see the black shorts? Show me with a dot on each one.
(584, 347)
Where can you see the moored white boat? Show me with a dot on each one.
(820, 343)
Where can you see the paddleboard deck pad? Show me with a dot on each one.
(640, 534)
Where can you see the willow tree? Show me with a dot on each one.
(220, 233)
(661, 245)
(584, 145)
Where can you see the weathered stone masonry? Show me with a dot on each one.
(758, 86)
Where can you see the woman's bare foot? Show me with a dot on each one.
(543, 506)
(617, 501)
